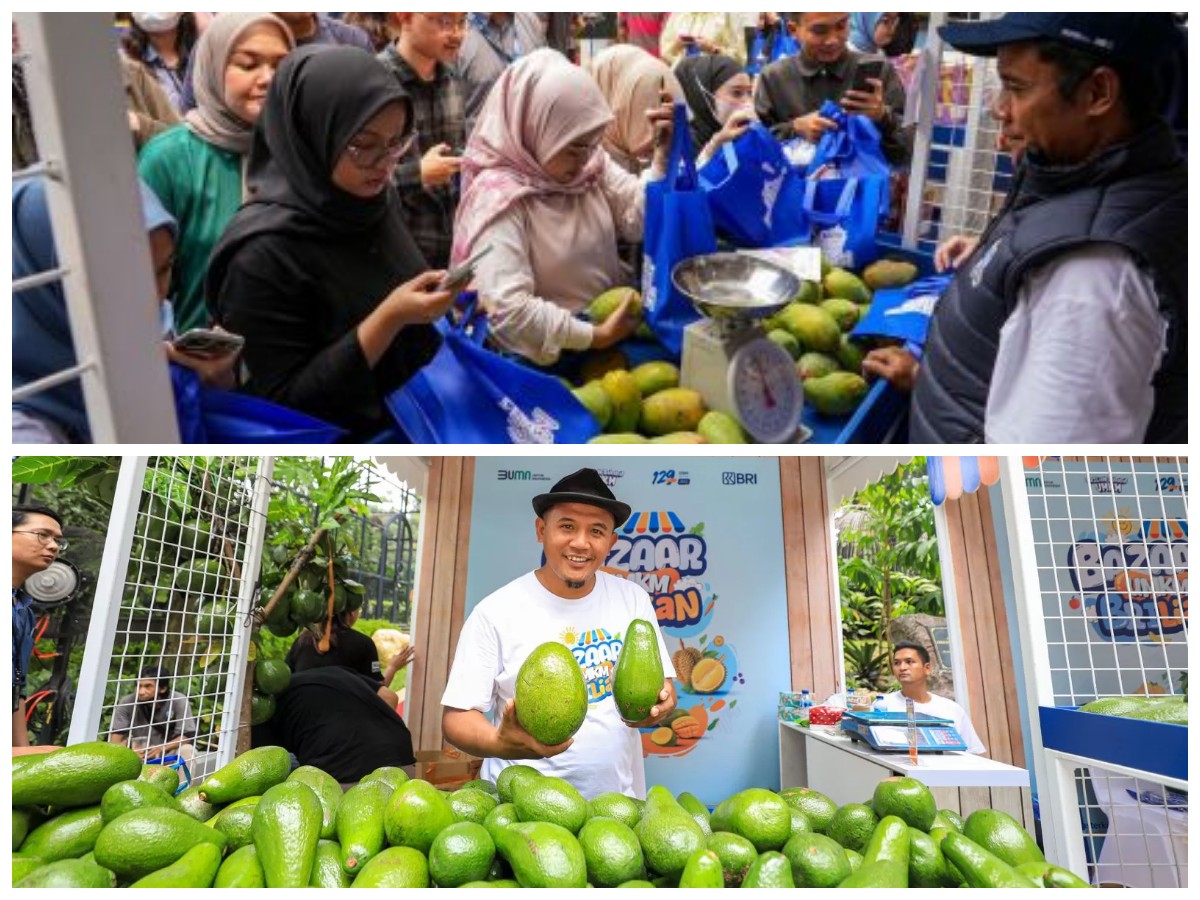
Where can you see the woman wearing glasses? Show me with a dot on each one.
(318, 271)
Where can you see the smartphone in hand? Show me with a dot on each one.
(867, 69)
(209, 341)
(459, 279)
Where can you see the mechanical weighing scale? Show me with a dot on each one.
(887, 732)
(727, 358)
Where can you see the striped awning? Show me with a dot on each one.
(950, 477)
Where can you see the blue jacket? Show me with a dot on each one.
(24, 621)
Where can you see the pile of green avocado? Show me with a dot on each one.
(92, 815)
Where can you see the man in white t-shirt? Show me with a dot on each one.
(911, 666)
(569, 600)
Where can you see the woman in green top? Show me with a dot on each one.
(197, 168)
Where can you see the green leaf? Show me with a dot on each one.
(697, 529)
(732, 704)
(712, 724)
(40, 469)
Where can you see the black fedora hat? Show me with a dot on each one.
(585, 486)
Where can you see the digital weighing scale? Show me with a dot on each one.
(727, 358)
(888, 732)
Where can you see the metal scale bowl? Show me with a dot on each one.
(727, 357)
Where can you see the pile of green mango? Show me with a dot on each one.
(815, 330)
(91, 815)
(646, 405)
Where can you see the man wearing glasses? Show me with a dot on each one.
(911, 666)
(36, 542)
(423, 60)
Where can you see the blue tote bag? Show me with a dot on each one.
(904, 314)
(470, 395)
(847, 190)
(210, 416)
(679, 225)
(756, 195)
(783, 46)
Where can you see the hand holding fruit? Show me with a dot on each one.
(517, 743)
(667, 699)
(619, 325)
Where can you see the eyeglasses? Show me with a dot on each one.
(45, 538)
(447, 23)
(371, 157)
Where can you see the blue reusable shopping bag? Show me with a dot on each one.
(756, 195)
(679, 226)
(469, 395)
(210, 416)
(783, 46)
(904, 314)
(848, 189)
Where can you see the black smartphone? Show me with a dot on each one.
(867, 69)
(204, 340)
(458, 280)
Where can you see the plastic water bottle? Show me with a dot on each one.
(880, 704)
(805, 700)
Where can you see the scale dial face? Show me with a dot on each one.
(766, 391)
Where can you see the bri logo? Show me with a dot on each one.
(739, 478)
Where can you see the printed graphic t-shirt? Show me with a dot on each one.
(506, 627)
(943, 708)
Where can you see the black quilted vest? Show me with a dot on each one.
(1133, 196)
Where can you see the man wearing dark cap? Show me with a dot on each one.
(571, 601)
(1069, 322)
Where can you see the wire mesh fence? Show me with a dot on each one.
(1135, 830)
(175, 654)
(1112, 555)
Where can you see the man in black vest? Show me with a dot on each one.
(1069, 322)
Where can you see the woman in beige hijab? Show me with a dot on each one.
(540, 191)
(197, 168)
(632, 81)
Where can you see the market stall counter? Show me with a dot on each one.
(847, 770)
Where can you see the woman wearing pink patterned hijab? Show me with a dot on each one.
(539, 189)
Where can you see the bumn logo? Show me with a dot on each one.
(514, 475)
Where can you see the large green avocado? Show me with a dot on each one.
(551, 697)
(638, 678)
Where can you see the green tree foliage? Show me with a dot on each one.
(888, 566)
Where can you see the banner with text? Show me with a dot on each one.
(1111, 542)
(706, 542)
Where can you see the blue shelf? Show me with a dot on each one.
(1152, 747)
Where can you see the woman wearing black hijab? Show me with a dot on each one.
(317, 271)
(720, 96)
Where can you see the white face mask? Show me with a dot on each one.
(724, 109)
(156, 22)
